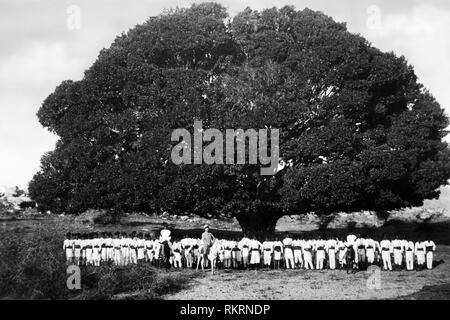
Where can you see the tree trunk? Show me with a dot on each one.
(259, 224)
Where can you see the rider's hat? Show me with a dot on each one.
(205, 226)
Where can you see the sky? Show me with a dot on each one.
(45, 42)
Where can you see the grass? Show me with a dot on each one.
(32, 266)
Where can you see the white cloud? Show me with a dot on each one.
(39, 64)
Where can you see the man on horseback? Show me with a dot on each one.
(206, 243)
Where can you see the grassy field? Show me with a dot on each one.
(323, 284)
(32, 267)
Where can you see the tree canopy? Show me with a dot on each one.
(357, 130)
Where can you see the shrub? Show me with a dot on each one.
(32, 266)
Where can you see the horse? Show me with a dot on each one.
(206, 253)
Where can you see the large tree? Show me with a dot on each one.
(357, 131)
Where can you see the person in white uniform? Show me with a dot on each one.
(277, 253)
(77, 244)
(227, 250)
(255, 253)
(88, 249)
(124, 249)
(419, 251)
(244, 245)
(360, 247)
(288, 253)
(149, 250)
(236, 254)
(386, 251)
(68, 247)
(140, 248)
(370, 251)
(96, 250)
(267, 248)
(319, 247)
(430, 247)
(409, 255)
(177, 250)
(341, 253)
(297, 248)
(331, 246)
(117, 249)
(398, 247)
(307, 250)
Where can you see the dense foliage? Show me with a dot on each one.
(357, 129)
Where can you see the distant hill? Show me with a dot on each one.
(442, 203)
(433, 211)
(12, 198)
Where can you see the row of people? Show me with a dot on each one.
(352, 252)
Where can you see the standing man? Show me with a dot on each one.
(361, 252)
(409, 255)
(96, 249)
(277, 253)
(319, 246)
(419, 251)
(88, 248)
(398, 246)
(165, 240)
(245, 251)
(350, 258)
(117, 249)
(77, 244)
(430, 247)
(255, 257)
(267, 247)
(370, 251)
(386, 250)
(331, 245)
(140, 248)
(124, 249)
(176, 247)
(307, 248)
(288, 253)
(227, 256)
(341, 253)
(149, 251)
(297, 247)
(69, 248)
(236, 254)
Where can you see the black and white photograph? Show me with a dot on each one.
(250, 151)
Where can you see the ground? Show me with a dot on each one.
(285, 284)
(321, 284)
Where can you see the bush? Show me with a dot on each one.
(32, 266)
